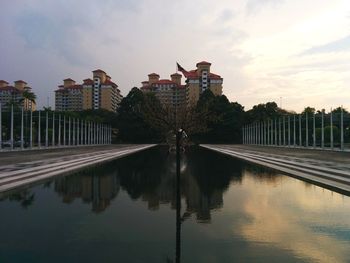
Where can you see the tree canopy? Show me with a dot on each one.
(264, 111)
(131, 121)
(222, 118)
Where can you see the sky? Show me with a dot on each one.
(293, 52)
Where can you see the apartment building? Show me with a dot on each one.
(16, 95)
(100, 92)
(201, 79)
(68, 97)
(170, 92)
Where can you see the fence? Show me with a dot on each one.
(21, 129)
(322, 131)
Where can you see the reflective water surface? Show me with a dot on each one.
(125, 212)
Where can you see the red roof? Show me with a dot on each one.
(3, 81)
(69, 79)
(20, 81)
(164, 81)
(175, 74)
(65, 89)
(214, 76)
(75, 87)
(109, 82)
(88, 81)
(146, 81)
(10, 88)
(98, 70)
(203, 63)
(153, 74)
(193, 75)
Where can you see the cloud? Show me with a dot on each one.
(339, 45)
(54, 31)
(225, 15)
(36, 29)
(42, 32)
(256, 54)
(254, 6)
(67, 29)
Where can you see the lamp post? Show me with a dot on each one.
(12, 127)
(31, 130)
(39, 129)
(332, 142)
(22, 128)
(0, 126)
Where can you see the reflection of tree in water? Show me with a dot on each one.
(140, 174)
(207, 178)
(263, 174)
(212, 170)
(47, 184)
(24, 197)
(150, 176)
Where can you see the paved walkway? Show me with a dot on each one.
(327, 168)
(18, 169)
(14, 157)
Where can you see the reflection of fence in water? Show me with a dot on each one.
(321, 131)
(28, 129)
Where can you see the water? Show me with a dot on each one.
(126, 212)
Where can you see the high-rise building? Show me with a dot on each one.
(97, 93)
(170, 92)
(68, 97)
(16, 95)
(201, 79)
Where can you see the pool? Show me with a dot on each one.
(125, 211)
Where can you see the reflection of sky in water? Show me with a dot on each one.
(311, 222)
(125, 212)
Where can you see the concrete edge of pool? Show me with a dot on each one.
(12, 180)
(333, 179)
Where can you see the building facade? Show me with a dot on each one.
(100, 92)
(16, 95)
(201, 79)
(170, 92)
(68, 97)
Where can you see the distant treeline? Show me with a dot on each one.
(142, 119)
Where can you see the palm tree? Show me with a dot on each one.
(28, 96)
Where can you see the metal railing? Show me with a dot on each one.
(329, 131)
(21, 130)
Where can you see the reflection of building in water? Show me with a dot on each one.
(96, 189)
(198, 200)
(164, 193)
